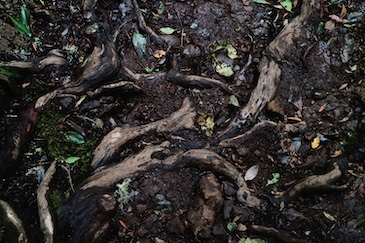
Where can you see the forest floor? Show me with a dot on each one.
(312, 125)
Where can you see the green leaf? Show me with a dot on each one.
(149, 70)
(139, 43)
(75, 137)
(231, 226)
(72, 159)
(234, 101)
(261, 1)
(161, 9)
(224, 69)
(287, 5)
(21, 28)
(232, 53)
(24, 17)
(274, 180)
(167, 30)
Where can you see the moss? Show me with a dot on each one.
(55, 198)
(50, 128)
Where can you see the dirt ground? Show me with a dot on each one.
(321, 85)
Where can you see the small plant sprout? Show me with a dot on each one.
(22, 25)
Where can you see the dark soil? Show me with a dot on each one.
(325, 89)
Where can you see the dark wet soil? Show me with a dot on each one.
(194, 205)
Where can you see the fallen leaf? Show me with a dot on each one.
(234, 101)
(139, 43)
(329, 216)
(167, 30)
(315, 143)
(337, 19)
(343, 86)
(201, 120)
(159, 53)
(343, 12)
(231, 51)
(252, 172)
(72, 159)
(329, 25)
(224, 69)
(287, 5)
(322, 108)
(336, 154)
(209, 122)
(261, 1)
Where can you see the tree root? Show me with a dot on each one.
(99, 66)
(11, 224)
(53, 58)
(159, 39)
(310, 183)
(84, 205)
(275, 233)
(45, 216)
(280, 48)
(124, 86)
(196, 81)
(112, 142)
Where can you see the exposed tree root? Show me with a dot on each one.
(11, 156)
(54, 58)
(269, 67)
(196, 81)
(159, 39)
(13, 226)
(311, 183)
(45, 216)
(112, 142)
(99, 66)
(85, 204)
(275, 233)
(124, 86)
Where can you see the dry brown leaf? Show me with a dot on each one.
(336, 153)
(322, 108)
(275, 106)
(343, 12)
(329, 25)
(337, 19)
(343, 86)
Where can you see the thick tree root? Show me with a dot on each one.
(11, 156)
(114, 140)
(269, 67)
(102, 64)
(311, 183)
(11, 225)
(275, 233)
(45, 216)
(85, 205)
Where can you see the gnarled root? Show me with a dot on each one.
(86, 203)
(112, 142)
(311, 183)
(11, 224)
(280, 48)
